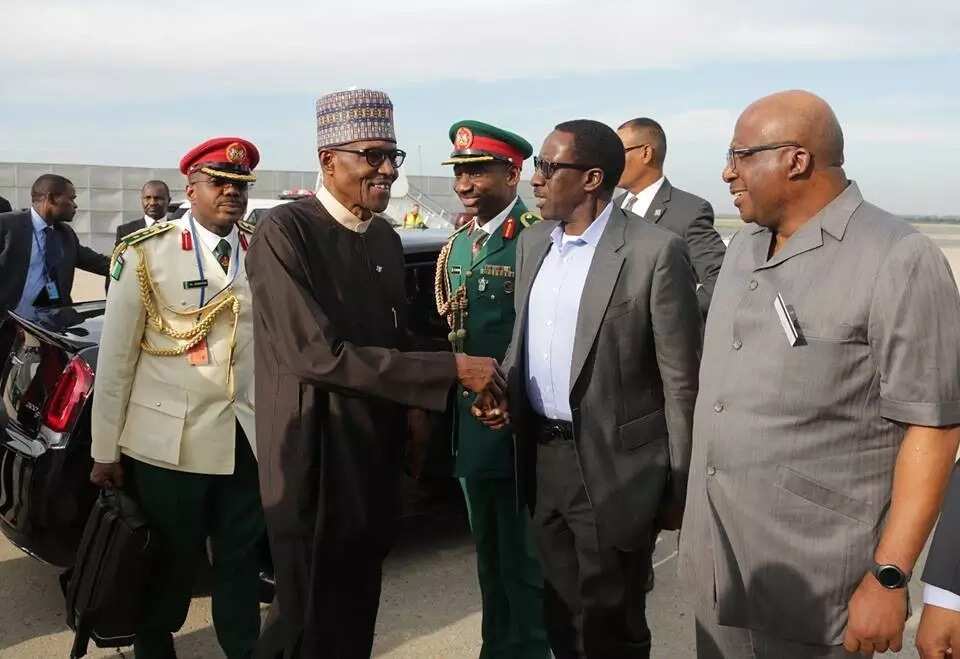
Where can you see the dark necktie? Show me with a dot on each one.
(222, 252)
(480, 240)
(52, 253)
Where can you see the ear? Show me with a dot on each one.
(647, 154)
(801, 163)
(191, 192)
(327, 160)
(593, 179)
(513, 176)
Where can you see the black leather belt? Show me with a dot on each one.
(549, 430)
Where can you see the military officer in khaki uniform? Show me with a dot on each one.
(173, 412)
(475, 287)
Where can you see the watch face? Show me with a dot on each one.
(890, 576)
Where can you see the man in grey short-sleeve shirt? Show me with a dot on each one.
(829, 375)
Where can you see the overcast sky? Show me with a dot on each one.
(139, 83)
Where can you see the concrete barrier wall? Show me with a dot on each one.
(108, 196)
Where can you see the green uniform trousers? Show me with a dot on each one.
(183, 510)
(510, 580)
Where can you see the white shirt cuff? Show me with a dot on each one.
(940, 597)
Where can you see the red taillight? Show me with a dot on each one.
(66, 401)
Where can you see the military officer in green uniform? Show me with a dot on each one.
(476, 279)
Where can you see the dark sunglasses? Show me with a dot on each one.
(375, 157)
(547, 169)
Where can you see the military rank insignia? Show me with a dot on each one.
(509, 229)
(528, 218)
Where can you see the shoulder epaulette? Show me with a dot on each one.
(529, 218)
(147, 232)
(116, 261)
(246, 227)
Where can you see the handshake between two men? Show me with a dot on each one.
(483, 376)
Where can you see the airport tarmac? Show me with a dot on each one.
(430, 606)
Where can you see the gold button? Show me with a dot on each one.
(158, 404)
(469, 273)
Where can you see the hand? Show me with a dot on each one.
(479, 374)
(107, 474)
(939, 633)
(877, 616)
(491, 412)
(419, 430)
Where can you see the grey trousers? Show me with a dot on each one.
(719, 642)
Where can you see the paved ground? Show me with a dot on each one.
(430, 605)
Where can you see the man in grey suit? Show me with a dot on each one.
(939, 631)
(39, 250)
(824, 428)
(651, 196)
(602, 378)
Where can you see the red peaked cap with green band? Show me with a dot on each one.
(475, 141)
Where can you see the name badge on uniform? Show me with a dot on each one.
(199, 355)
(788, 320)
(195, 283)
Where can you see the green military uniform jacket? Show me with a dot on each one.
(490, 280)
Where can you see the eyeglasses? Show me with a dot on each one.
(547, 169)
(375, 157)
(743, 152)
(628, 149)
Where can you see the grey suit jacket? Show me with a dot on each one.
(691, 218)
(633, 373)
(943, 561)
(16, 246)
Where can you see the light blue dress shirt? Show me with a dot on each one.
(36, 277)
(552, 313)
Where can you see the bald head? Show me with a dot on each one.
(796, 116)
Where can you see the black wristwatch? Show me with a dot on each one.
(890, 576)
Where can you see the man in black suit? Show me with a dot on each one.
(602, 378)
(939, 631)
(650, 195)
(5, 206)
(39, 250)
(154, 198)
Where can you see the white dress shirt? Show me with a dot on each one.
(553, 310)
(643, 198)
(149, 220)
(491, 226)
(36, 275)
(940, 597)
(210, 240)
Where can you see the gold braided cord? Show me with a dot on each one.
(249, 178)
(193, 336)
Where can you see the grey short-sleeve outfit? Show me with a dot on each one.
(794, 445)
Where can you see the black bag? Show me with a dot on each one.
(104, 590)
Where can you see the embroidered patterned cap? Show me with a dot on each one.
(354, 115)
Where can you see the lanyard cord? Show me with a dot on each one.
(235, 264)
